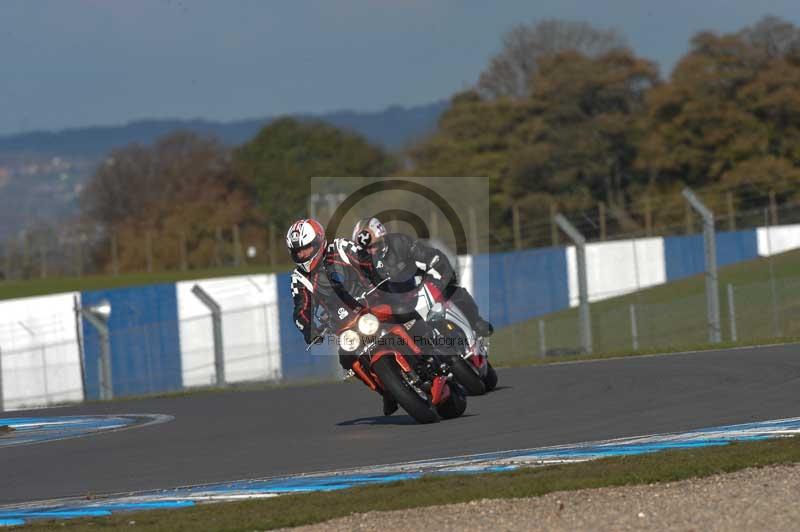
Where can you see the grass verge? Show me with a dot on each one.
(294, 510)
(672, 316)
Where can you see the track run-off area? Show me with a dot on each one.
(239, 435)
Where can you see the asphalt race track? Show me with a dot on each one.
(238, 435)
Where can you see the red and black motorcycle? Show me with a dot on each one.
(390, 361)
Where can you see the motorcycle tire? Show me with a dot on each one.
(491, 378)
(455, 405)
(391, 376)
(467, 376)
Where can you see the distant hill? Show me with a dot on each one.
(42, 173)
(391, 128)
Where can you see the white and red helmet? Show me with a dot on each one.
(306, 242)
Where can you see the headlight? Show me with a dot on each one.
(349, 340)
(368, 324)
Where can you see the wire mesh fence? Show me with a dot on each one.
(666, 318)
(84, 249)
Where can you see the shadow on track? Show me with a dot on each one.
(388, 420)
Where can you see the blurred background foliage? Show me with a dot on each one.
(565, 117)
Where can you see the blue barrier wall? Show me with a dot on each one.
(145, 343)
(684, 255)
(296, 363)
(519, 285)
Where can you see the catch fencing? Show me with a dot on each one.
(644, 294)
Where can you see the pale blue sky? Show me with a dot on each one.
(66, 63)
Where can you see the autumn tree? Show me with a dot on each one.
(523, 46)
(728, 117)
(281, 160)
(179, 190)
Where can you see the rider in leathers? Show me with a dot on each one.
(327, 277)
(406, 262)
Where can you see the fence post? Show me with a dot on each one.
(634, 328)
(114, 255)
(773, 207)
(184, 252)
(237, 247)
(149, 250)
(602, 215)
(473, 231)
(583, 285)
(516, 224)
(43, 260)
(732, 313)
(273, 259)
(79, 338)
(1, 379)
(218, 247)
(648, 216)
(216, 324)
(710, 248)
(776, 319)
(97, 316)
(542, 340)
(553, 225)
(731, 211)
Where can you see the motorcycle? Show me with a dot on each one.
(389, 361)
(471, 368)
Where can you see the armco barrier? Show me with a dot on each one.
(39, 356)
(145, 345)
(161, 335)
(618, 267)
(684, 255)
(250, 327)
(518, 285)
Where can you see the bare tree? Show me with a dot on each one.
(136, 177)
(509, 72)
(773, 36)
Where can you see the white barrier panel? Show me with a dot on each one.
(464, 269)
(777, 239)
(39, 355)
(250, 329)
(618, 268)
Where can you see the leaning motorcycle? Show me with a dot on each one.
(390, 361)
(471, 366)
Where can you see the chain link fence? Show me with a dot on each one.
(666, 318)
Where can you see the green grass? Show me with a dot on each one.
(54, 285)
(294, 510)
(671, 317)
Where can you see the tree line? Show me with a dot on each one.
(566, 116)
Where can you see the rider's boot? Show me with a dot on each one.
(483, 328)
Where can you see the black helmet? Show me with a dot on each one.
(370, 235)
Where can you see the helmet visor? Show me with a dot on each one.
(305, 253)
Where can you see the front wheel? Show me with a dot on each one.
(491, 378)
(455, 405)
(466, 376)
(394, 383)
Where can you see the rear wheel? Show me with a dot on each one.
(455, 405)
(491, 378)
(391, 376)
(466, 376)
